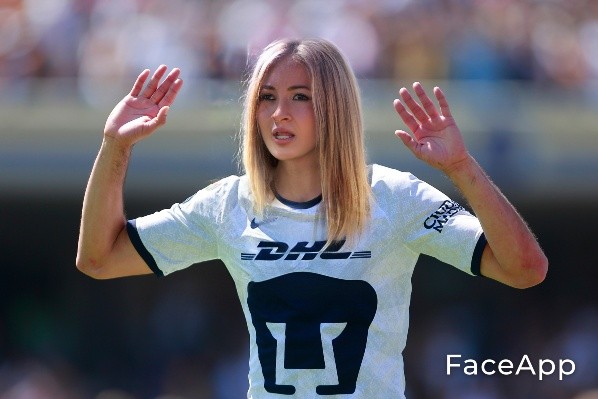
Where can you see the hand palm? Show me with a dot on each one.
(130, 115)
(144, 109)
(435, 138)
(435, 141)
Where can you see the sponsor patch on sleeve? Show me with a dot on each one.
(438, 218)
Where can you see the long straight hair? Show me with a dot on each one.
(339, 134)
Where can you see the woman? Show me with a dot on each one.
(320, 246)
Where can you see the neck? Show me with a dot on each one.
(298, 183)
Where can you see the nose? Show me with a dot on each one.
(281, 112)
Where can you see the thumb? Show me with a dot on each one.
(406, 138)
(162, 114)
(158, 120)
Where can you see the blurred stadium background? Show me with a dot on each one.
(522, 79)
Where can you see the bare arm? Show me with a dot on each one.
(104, 249)
(512, 256)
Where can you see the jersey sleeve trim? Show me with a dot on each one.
(476, 259)
(141, 249)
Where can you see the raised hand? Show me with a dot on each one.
(435, 137)
(144, 109)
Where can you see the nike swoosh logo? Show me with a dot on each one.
(254, 224)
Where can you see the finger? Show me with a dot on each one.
(162, 114)
(409, 141)
(139, 83)
(407, 118)
(413, 106)
(444, 106)
(425, 100)
(153, 83)
(165, 86)
(171, 94)
(159, 120)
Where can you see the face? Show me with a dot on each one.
(285, 113)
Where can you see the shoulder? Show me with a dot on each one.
(224, 184)
(219, 193)
(398, 192)
(383, 179)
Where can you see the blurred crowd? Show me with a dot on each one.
(546, 41)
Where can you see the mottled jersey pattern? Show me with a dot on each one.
(325, 319)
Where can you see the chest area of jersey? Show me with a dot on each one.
(267, 246)
(309, 302)
(269, 250)
(295, 247)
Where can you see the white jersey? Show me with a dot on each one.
(323, 320)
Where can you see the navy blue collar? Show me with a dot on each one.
(299, 205)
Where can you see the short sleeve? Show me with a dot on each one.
(186, 233)
(428, 222)
(440, 227)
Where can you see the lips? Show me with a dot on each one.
(282, 134)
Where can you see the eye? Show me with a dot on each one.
(266, 97)
(301, 97)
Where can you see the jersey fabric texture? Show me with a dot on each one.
(324, 319)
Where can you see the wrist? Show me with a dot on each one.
(112, 143)
(467, 168)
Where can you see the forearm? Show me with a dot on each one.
(513, 246)
(103, 212)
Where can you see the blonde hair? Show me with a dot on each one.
(339, 127)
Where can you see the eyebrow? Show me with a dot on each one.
(291, 88)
